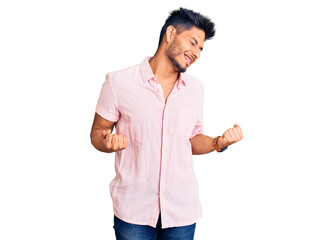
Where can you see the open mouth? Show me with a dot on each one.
(188, 59)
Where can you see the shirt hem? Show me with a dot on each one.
(180, 225)
(162, 227)
(131, 221)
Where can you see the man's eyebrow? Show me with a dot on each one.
(197, 43)
(195, 40)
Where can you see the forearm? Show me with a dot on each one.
(97, 140)
(202, 144)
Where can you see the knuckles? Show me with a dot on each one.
(117, 142)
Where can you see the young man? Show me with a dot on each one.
(158, 113)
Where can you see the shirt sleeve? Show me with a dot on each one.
(107, 105)
(198, 128)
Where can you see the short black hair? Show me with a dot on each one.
(184, 19)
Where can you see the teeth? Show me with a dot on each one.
(189, 60)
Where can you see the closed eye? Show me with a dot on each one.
(196, 42)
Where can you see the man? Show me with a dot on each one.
(157, 110)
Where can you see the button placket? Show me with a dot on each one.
(163, 154)
(165, 124)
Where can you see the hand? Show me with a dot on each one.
(114, 142)
(231, 136)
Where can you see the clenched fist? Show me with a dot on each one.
(231, 136)
(114, 142)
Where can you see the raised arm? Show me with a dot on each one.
(102, 138)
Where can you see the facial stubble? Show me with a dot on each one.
(174, 51)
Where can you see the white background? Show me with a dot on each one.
(268, 68)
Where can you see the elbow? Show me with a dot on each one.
(92, 139)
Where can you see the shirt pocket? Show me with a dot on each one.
(186, 121)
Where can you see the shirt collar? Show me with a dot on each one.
(148, 74)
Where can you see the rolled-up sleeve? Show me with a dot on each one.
(107, 105)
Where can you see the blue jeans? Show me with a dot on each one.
(129, 231)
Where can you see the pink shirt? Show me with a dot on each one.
(155, 172)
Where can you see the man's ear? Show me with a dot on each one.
(170, 33)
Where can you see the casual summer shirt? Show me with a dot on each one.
(154, 173)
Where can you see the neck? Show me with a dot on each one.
(163, 68)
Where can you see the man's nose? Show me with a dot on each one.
(196, 54)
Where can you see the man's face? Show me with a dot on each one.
(185, 48)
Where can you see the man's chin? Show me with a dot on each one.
(177, 65)
(180, 68)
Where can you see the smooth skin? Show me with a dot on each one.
(231, 136)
